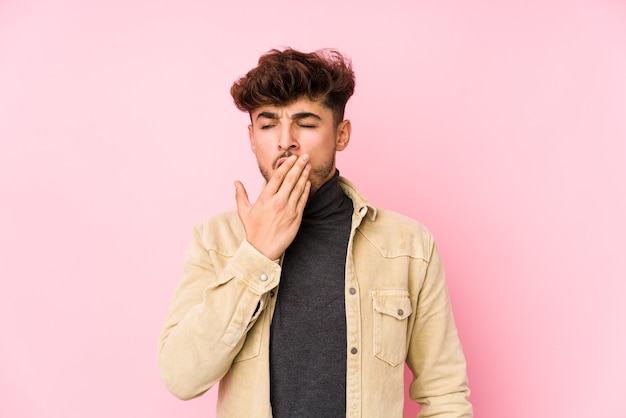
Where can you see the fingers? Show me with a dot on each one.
(286, 176)
(304, 197)
(295, 180)
(274, 183)
(300, 188)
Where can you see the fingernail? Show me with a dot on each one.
(305, 157)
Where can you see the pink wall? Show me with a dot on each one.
(500, 125)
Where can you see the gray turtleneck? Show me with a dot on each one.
(308, 332)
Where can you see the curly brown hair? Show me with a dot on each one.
(282, 77)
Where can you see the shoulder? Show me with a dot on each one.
(222, 232)
(228, 218)
(392, 234)
(395, 235)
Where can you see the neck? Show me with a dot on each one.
(326, 199)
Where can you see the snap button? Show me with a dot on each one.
(352, 290)
(354, 350)
(263, 277)
(400, 312)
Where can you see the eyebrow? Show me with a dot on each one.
(268, 115)
(304, 115)
(296, 116)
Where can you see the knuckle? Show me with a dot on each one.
(279, 205)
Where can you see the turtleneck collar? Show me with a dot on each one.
(326, 201)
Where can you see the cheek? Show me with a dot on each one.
(264, 158)
(258, 148)
(323, 150)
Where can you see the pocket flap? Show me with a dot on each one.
(395, 305)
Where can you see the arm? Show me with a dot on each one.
(219, 300)
(435, 355)
(210, 314)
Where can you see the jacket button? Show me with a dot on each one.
(263, 277)
(354, 350)
(400, 312)
(352, 290)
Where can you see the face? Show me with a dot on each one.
(303, 127)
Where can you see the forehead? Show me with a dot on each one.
(300, 106)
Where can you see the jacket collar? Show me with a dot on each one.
(361, 205)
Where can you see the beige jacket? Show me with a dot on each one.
(397, 311)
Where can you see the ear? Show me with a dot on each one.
(251, 137)
(344, 130)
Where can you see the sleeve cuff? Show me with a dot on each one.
(259, 272)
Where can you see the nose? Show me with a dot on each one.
(287, 140)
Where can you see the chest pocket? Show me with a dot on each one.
(391, 310)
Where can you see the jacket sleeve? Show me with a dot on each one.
(217, 301)
(435, 355)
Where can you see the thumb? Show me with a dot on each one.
(241, 197)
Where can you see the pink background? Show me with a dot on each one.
(500, 125)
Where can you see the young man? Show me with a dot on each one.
(308, 302)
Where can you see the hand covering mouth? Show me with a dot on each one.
(282, 158)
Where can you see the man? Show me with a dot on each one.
(308, 302)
